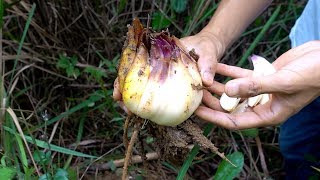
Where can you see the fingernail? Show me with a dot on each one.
(207, 77)
(232, 89)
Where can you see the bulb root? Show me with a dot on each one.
(194, 130)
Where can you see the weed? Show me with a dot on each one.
(69, 65)
(58, 65)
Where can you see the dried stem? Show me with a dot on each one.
(133, 139)
(125, 132)
(262, 159)
(134, 160)
(250, 156)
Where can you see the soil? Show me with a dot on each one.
(172, 143)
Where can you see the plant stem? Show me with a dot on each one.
(127, 159)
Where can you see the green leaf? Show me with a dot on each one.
(63, 62)
(112, 166)
(149, 140)
(2, 7)
(226, 170)
(72, 174)
(192, 154)
(52, 147)
(61, 174)
(24, 34)
(159, 21)
(73, 60)
(69, 64)
(95, 73)
(7, 172)
(70, 71)
(122, 5)
(76, 73)
(42, 157)
(46, 176)
(94, 97)
(250, 132)
(178, 5)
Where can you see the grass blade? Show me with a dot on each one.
(259, 37)
(2, 91)
(24, 34)
(93, 98)
(256, 40)
(187, 163)
(52, 147)
(16, 122)
(79, 136)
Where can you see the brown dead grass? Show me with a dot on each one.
(82, 28)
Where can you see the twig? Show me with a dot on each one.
(99, 158)
(55, 127)
(134, 160)
(262, 158)
(133, 139)
(250, 156)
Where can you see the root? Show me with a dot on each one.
(143, 153)
(262, 158)
(133, 139)
(196, 133)
(125, 132)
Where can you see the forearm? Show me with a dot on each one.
(232, 17)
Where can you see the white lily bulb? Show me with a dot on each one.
(228, 103)
(261, 67)
(159, 81)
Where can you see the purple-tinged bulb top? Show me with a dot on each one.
(254, 57)
(166, 46)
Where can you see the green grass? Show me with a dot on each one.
(8, 120)
(258, 37)
(65, 69)
(26, 28)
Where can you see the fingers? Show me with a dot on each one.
(207, 65)
(280, 82)
(261, 116)
(216, 88)
(211, 101)
(118, 97)
(116, 91)
(208, 51)
(232, 71)
(296, 53)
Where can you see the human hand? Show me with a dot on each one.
(210, 49)
(295, 84)
(117, 96)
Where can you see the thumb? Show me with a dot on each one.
(252, 86)
(116, 91)
(207, 66)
